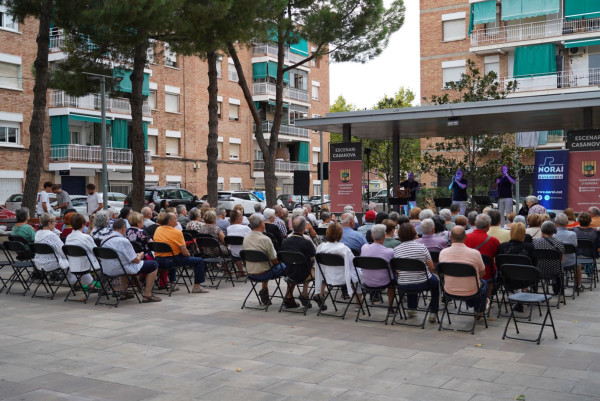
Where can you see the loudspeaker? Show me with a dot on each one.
(301, 182)
(325, 171)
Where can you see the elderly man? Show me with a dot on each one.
(378, 278)
(168, 234)
(133, 263)
(325, 219)
(458, 252)
(567, 236)
(471, 217)
(447, 216)
(237, 229)
(595, 213)
(369, 222)
(182, 216)
(487, 245)
(350, 209)
(454, 211)
(352, 239)
(271, 228)
(258, 209)
(279, 211)
(495, 230)
(309, 215)
(262, 271)
(222, 221)
(433, 243)
(297, 242)
(147, 215)
(371, 206)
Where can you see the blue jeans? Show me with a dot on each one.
(433, 285)
(479, 303)
(170, 263)
(276, 271)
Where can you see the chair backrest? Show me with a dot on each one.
(15, 246)
(370, 263)
(251, 255)
(137, 247)
(548, 261)
(79, 264)
(330, 259)
(187, 236)
(234, 240)
(98, 241)
(408, 265)
(108, 254)
(506, 258)
(435, 256)
(585, 247)
(192, 233)
(523, 274)
(296, 266)
(105, 253)
(74, 251)
(321, 230)
(487, 261)
(160, 247)
(355, 252)
(18, 238)
(42, 249)
(273, 239)
(209, 242)
(570, 249)
(456, 269)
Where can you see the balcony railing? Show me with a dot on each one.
(282, 165)
(59, 98)
(56, 42)
(286, 129)
(270, 49)
(560, 80)
(265, 88)
(533, 30)
(93, 154)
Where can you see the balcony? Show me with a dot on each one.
(556, 28)
(264, 88)
(56, 42)
(93, 154)
(270, 49)
(59, 98)
(282, 166)
(560, 80)
(286, 130)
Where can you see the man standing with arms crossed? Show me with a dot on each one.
(459, 191)
(504, 185)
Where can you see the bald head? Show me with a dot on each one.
(347, 220)
(458, 235)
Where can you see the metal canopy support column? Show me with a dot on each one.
(395, 160)
(347, 133)
(588, 118)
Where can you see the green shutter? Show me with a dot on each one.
(259, 70)
(517, 9)
(125, 84)
(300, 48)
(581, 43)
(286, 77)
(272, 69)
(535, 60)
(88, 119)
(578, 9)
(484, 12)
(119, 134)
(303, 152)
(471, 17)
(145, 129)
(60, 130)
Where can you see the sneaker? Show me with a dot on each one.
(199, 290)
(264, 297)
(432, 318)
(289, 303)
(412, 313)
(305, 302)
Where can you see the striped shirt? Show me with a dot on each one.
(412, 250)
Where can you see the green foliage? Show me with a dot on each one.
(340, 105)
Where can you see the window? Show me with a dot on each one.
(317, 189)
(219, 67)
(150, 53)
(7, 21)
(314, 61)
(234, 151)
(452, 71)
(258, 154)
(454, 26)
(234, 112)
(220, 185)
(235, 186)
(172, 102)
(10, 133)
(297, 112)
(10, 74)
(152, 100)
(152, 144)
(172, 146)
(594, 68)
(219, 106)
(492, 63)
(76, 138)
(232, 72)
(170, 57)
(176, 184)
(315, 92)
(219, 150)
(299, 79)
(315, 158)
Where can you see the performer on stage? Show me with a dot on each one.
(410, 190)
(504, 185)
(459, 191)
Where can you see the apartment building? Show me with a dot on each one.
(547, 46)
(175, 119)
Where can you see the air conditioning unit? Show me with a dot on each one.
(576, 51)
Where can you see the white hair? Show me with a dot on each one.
(427, 226)
(446, 214)
(269, 213)
(426, 214)
(297, 212)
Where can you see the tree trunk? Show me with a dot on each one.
(38, 117)
(212, 150)
(137, 132)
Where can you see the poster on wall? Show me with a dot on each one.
(584, 180)
(345, 176)
(550, 178)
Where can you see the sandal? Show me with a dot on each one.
(126, 295)
(151, 298)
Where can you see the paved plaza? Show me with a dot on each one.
(204, 347)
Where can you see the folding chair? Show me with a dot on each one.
(532, 275)
(435, 257)
(105, 255)
(3, 263)
(459, 270)
(501, 260)
(235, 241)
(17, 255)
(373, 264)
(215, 261)
(254, 256)
(326, 262)
(75, 252)
(162, 247)
(297, 272)
(549, 263)
(98, 242)
(417, 270)
(586, 254)
(570, 271)
(65, 233)
(321, 231)
(45, 249)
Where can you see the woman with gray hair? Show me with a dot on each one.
(426, 214)
(533, 207)
(101, 223)
(550, 268)
(47, 236)
(195, 220)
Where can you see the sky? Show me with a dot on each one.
(398, 65)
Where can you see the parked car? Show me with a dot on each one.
(228, 199)
(14, 201)
(316, 202)
(291, 201)
(175, 196)
(115, 201)
(7, 218)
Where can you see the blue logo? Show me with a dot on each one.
(547, 197)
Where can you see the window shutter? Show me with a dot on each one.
(452, 74)
(9, 75)
(234, 112)
(172, 146)
(171, 102)
(454, 29)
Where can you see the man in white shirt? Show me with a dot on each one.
(237, 229)
(94, 200)
(43, 202)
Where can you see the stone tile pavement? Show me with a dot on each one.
(203, 347)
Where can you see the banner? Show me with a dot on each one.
(584, 180)
(583, 140)
(345, 176)
(550, 178)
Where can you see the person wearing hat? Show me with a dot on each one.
(369, 222)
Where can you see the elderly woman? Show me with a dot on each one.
(533, 207)
(47, 236)
(414, 216)
(196, 221)
(416, 281)
(295, 213)
(325, 219)
(534, 223)
(510, 218)
(584, 231)
(210, 227)
(271, 227)
(549, 268)
(77, 237)
(22, 228)
(517, 244)
(101, 229)
(136, 233)
(572, 221)
(447, 215)
(240, 208)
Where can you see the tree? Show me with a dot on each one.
(479, 156)
(350, 30)
(42, 10)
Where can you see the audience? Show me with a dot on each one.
(182, 215)
(22, 228)
(471, 217)
(378, 278)
(447, 216)
(222, 221)
(77, 237)
(101, 222)
(585, 231)
(369, 222)
(195, 222)
(352, 239)
(147, 214)
(550, 268)
(571, 218)
(517, 245)
(595, 215)
(485, 244)
(210, 227)
(271, 228)
(47, 236)
(534, 225)
(495, 230)
(135, 233)
(566, 236)
(297, 242)
(390, 234)
(279, 215)
(432, 243)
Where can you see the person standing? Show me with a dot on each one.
(63, 200)
(504, 185)
(410, 187)
(94, 200)
(43, 202)
(459, 191)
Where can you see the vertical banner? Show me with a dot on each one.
(584, 180)
(550, 179)
(345, 176)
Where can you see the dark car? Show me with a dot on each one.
(291, 201)
(175, 196)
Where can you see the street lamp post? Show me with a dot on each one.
(368, 154)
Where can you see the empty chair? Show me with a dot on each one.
(215, 256)
(21, 268)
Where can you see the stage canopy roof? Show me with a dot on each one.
(514, 114)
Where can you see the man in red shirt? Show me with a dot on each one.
(485, 244)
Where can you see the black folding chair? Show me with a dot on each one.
(417, 270)
(216, 261)
(254, 256)
(231, 240)
(19, 257)
(297, 272)
(549, 263)
(4, 263)
(168, 265)
(531, 275)
(499, 288)
(321, 231)
(570, 271)
(373, 264)
(105, 256)
(586, 254)
(435, 257)
(75, 252)
(327, 261)
(459, 270)
(44, 276)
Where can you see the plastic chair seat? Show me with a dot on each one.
(529, 297)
